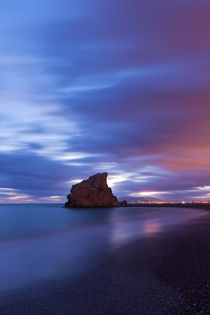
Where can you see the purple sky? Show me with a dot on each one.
(118, 86)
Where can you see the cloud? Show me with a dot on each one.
(89, 86)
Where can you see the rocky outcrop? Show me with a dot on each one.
(93, 192)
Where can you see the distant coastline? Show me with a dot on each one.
(201, 205)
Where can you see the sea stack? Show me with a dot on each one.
(93, 193)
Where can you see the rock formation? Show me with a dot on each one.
(93, 192)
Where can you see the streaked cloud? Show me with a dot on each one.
(91, 86)
(147, 193)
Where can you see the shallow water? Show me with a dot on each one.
(47, 242)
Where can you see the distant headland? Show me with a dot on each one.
(93, 193)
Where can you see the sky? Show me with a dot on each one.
(88, 86)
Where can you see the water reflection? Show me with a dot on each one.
(151, 227)
(143, 224)
(75, 241)
(125, 232)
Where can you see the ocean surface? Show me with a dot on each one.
(44, 242)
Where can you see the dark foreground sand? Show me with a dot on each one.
(168, 273)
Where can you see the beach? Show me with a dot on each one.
(165, 271)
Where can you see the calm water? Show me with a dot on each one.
(46, 242)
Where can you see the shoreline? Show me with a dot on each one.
(147, 276)
(197, 205)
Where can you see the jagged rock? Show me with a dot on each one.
(93, 192)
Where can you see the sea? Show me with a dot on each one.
(42, 242)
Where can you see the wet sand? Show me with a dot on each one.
(168, 273)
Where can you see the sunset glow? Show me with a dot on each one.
(17, 197)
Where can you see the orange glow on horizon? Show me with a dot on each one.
(166, 202)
